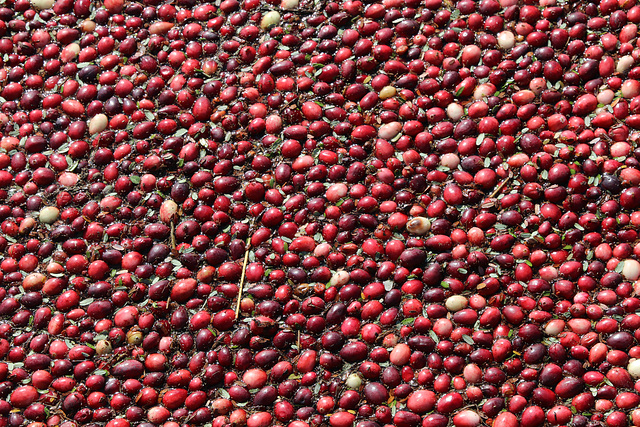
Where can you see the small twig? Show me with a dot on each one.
(244, 269)
(244, 264)
(173, 235)
(501, 186)
(299, 11)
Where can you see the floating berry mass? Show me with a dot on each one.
(307, 213)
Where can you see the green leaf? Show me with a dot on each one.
(135, 179)
(468, 339)
(15, 365)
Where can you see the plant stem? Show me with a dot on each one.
(244, 269)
